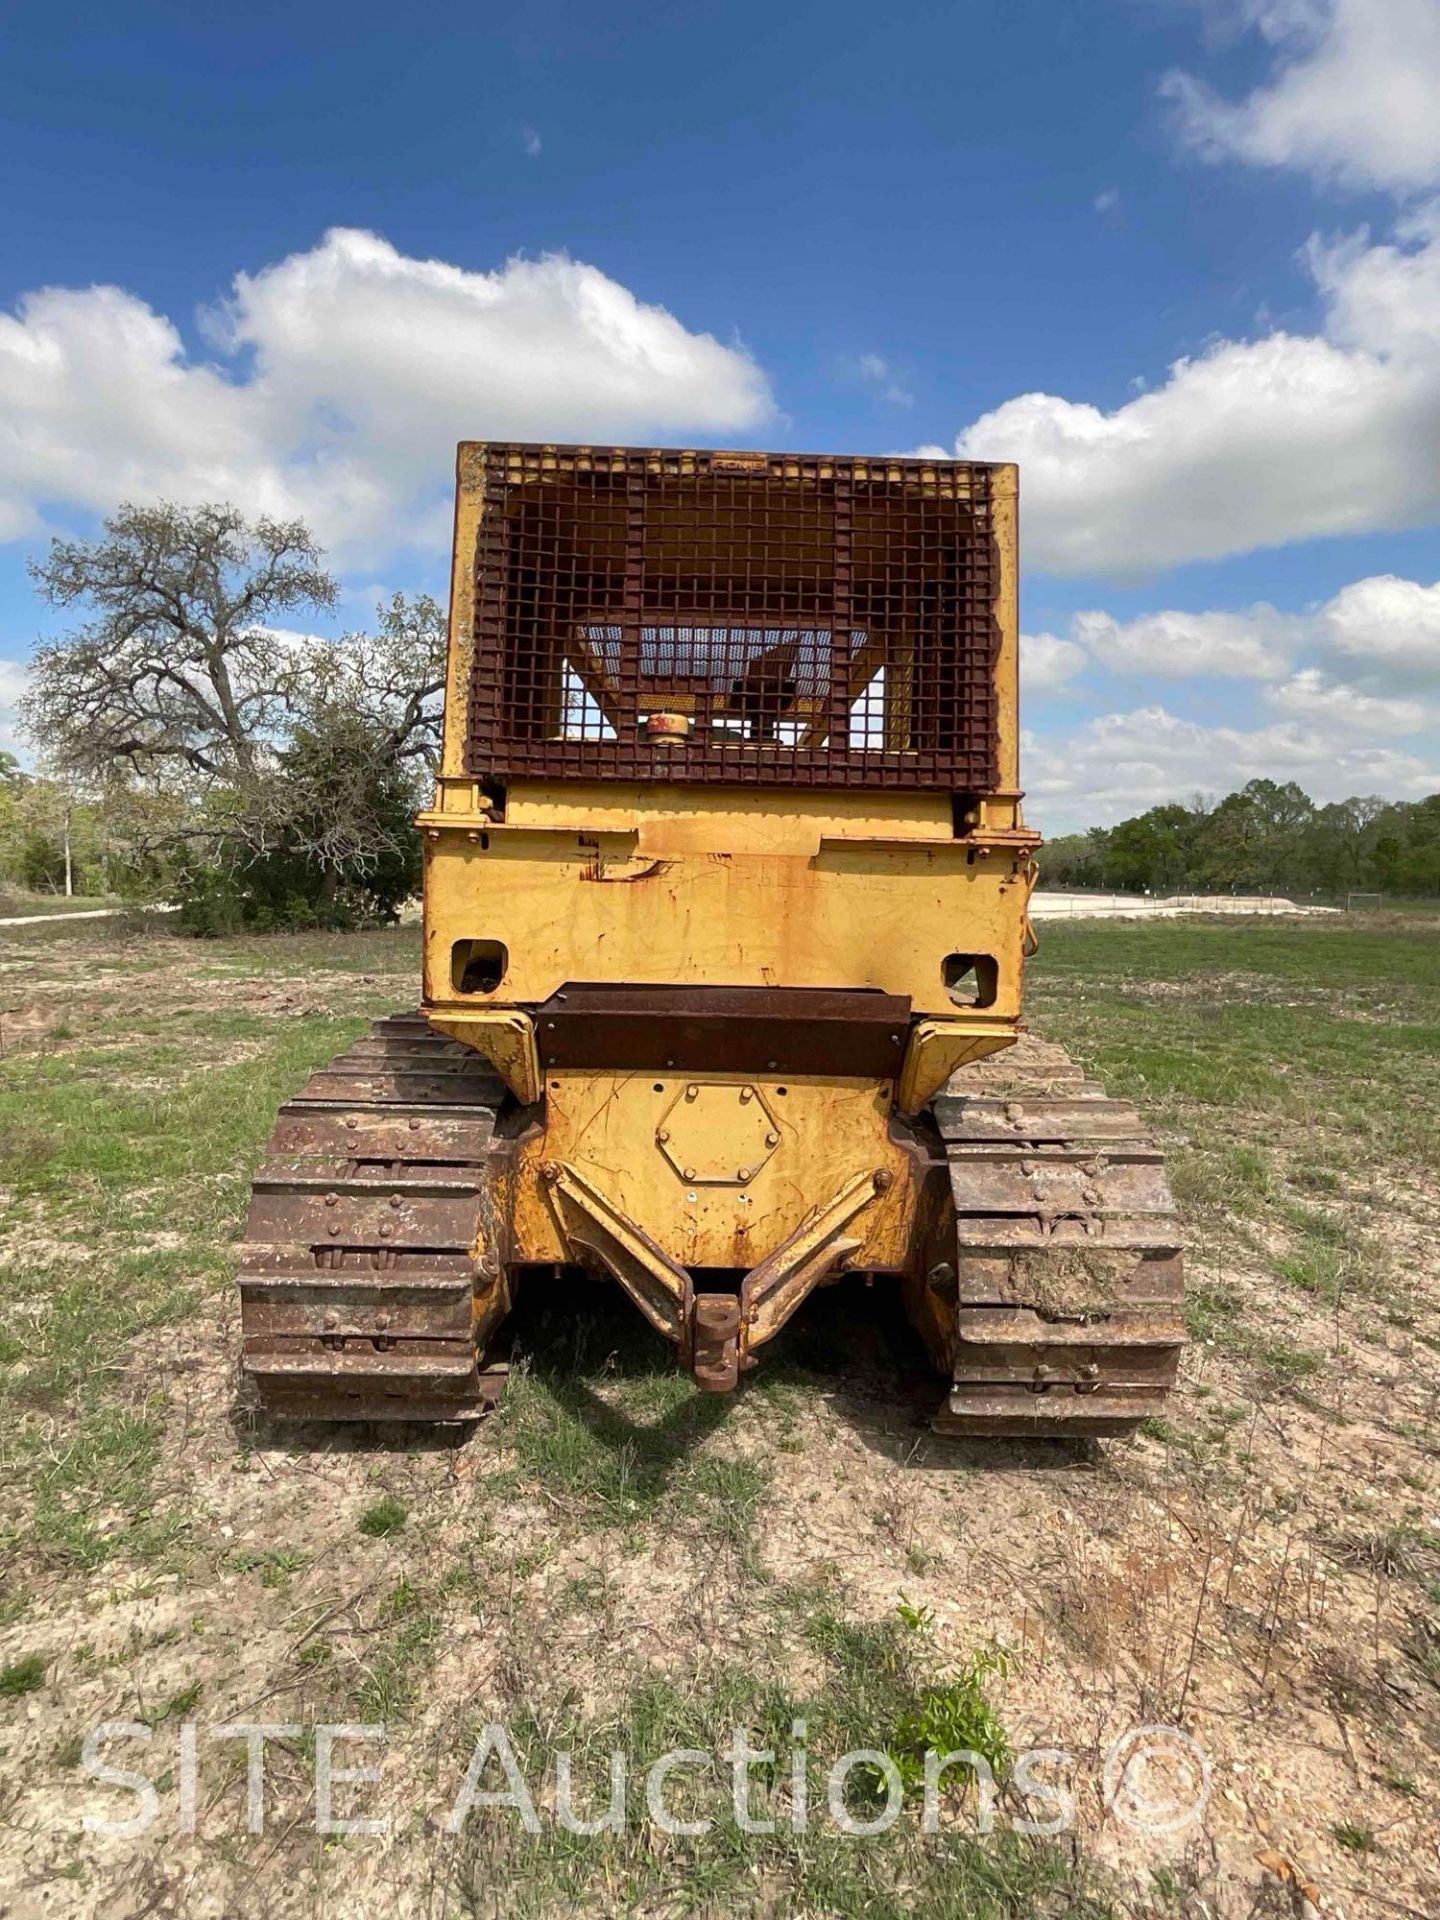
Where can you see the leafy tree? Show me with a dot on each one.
(1267, 837)
(336, 848)
(1075, 859)
(280, 770)
(1418, 870)
(1153, 851)
(34, 817)
(392, 678)
(178, 673)
(109, 837)
(1346, 842)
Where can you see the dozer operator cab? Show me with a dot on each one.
(726, 886)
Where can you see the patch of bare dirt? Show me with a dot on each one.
(1222, 1594)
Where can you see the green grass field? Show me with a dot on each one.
(614, 1558)
(1292, 1069)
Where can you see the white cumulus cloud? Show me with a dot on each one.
(1047, 662)
(1256, 644)
(1354, 97)
(1379, 636)
(1312, 694)
(339, 382)
(1387, 629)
(1288, 436)
(1251, 443)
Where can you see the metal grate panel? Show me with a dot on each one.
(772, 619)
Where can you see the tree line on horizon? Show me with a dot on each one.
(1267, 838)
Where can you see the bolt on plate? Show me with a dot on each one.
(718, 1134)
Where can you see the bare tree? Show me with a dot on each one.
(340, 803)
(392, 678)
(361, 731)
(180, 672)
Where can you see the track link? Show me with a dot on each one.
(1068, 1268)
(359, 1263)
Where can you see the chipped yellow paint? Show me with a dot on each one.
(729, 820)
(830, 1131)
(469, 484)
(718, 1133)
(648, 906)
(506, 1039)
(938, 1048)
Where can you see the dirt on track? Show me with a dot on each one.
(1254, 1573)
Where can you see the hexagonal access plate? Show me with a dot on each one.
(718, 1134)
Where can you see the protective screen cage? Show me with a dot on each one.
(647, 614)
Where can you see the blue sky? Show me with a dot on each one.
(1181, 258)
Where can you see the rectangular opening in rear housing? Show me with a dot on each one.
(647, 615)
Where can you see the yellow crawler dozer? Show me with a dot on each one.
(726, 885)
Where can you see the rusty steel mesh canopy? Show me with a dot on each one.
(775, 619)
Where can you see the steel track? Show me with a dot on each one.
(357, 1272)
(1068, 1282)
